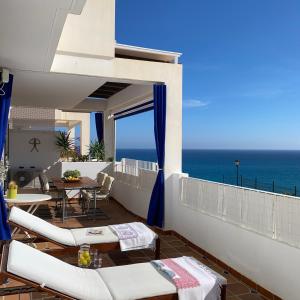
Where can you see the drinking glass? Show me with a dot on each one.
(97, 259)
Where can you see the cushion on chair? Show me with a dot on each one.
(89, 195)
(135, 282)
(38, 225)
(81, 236)
(44, 182)
(68, 237)
(101, 178)
(107, 185)
(41, 268)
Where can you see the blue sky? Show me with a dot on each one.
(241, 62)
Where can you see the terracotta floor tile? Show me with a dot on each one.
(251, 297)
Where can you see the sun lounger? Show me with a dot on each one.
(47, 273)
(69, 239)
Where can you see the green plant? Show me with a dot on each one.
(65, 144)
(79, 157)
(71, 173)
(96, 150)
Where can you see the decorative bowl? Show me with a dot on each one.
(71, 179)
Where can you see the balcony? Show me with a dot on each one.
(172, 245)
(245, 230)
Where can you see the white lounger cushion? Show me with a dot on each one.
(38, 225)
(135, 281)
(81, 237)
(41, 268)
(73, 237)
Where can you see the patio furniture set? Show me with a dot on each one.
(89, 191)
(40, 269)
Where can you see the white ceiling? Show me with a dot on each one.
(51, 90)
(29, 34)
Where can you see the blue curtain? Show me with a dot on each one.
(4, 111)
(157, 202)
(99, 125)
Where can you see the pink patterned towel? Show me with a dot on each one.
(182, 279)
(179, 275)
(193, 280)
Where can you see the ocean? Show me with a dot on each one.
(271, 170)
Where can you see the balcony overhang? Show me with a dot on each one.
(140, 53)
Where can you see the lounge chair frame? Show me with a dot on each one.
(5, 274)
(64, 249)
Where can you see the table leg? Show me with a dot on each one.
(64, 208)
(95, 203)
(33, 208)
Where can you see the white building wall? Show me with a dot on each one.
(89, 169)
(268, 262)
(20, 150)
(91, 33)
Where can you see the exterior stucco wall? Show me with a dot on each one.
(92, 32)
(22, 155)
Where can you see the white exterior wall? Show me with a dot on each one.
(268, 262)
(20, 150)
(271, 264)
(89, 169)
(133, 191)
(92, 32)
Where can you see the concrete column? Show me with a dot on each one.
(109, 135)
(72, 132)
(173, 146)
(85, 136)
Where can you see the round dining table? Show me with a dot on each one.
(33, 201)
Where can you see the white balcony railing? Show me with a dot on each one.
(136, 173)
(132, 166)
(273, 215)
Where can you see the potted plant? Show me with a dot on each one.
(96, 150)
(65, 144)
(72, 175)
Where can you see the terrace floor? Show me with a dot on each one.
(171, 246)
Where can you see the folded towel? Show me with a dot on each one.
(134, 236)
(193, 280)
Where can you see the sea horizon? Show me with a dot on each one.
(267, 169)
(214, 149)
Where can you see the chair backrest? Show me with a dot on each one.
(44, 182)
(107, 185)
(101, 178)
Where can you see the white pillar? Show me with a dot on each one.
(72, 132)
(85, 135)
(109, 135)
(173, 146)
